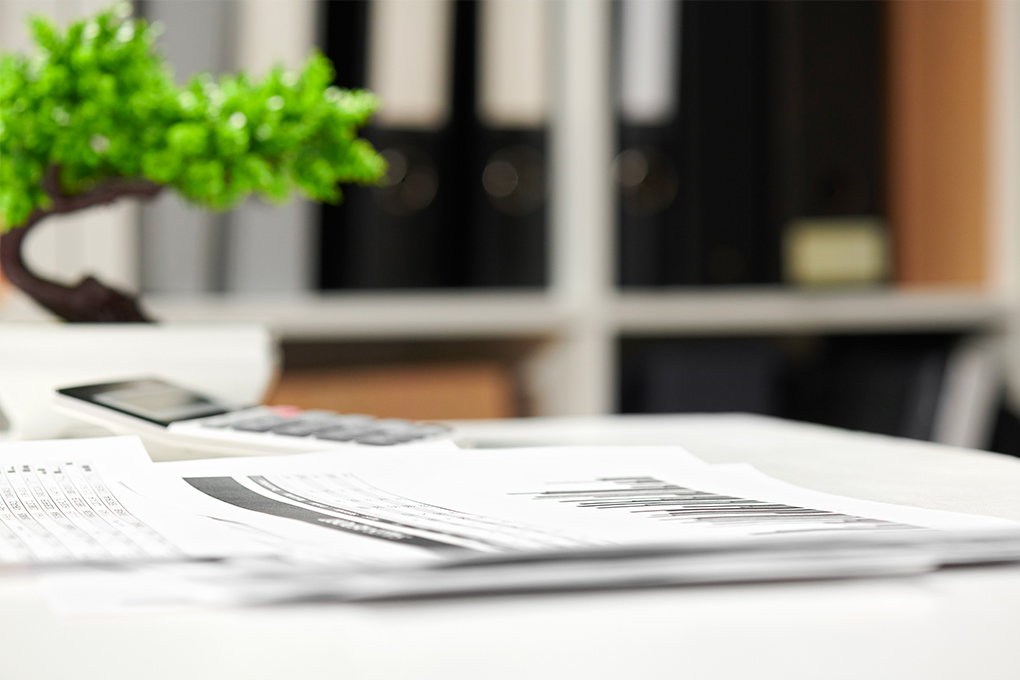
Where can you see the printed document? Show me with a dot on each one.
(70, 501)
(432, 518)
(435, 499)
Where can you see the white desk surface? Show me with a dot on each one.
(962, 623)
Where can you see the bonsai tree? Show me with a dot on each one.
(94, 115)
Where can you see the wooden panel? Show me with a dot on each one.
(418, 392)
(938, 142)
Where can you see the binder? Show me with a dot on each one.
(398, 235)
(646, 170)
(828, 112)
(883, 384)
(345, 41)
(941, 104)
(720, 235)
(272, 248)
(905, 386)
(779, 119)
(706, 375)
(504, 65)
(693, 167)
(182, 247)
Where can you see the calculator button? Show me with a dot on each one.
(344, 433)
(395, 426)
(301, 428)
(259, 424)
(383, 438)
(310, 423)
(348, 420)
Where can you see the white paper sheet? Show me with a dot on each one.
(431, 499)
(68, 502)
(432, 519)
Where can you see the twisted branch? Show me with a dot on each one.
(89, 300)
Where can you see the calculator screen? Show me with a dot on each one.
(153, 400)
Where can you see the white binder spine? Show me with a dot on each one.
(513, 60)
(180, 243)
(648, 61)
(270, 249)
(409, 62)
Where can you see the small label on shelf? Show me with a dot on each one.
(824, 251)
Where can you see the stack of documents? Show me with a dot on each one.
(110, 529)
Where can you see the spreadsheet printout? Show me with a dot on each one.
(69, 501)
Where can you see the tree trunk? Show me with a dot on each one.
(89, 301)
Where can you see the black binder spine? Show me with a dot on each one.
(647, 176)
(646, 169)
(509, 219)
(721, 234)
(508, 169)
(828, 111)
(402, 234)
(345, 27)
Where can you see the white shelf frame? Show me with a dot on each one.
(374, 315)
(440, 315)
(778, 310)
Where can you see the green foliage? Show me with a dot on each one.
(99, 101)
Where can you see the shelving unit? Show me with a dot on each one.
(430, 315)
(581, 316)
(782, 311)
(360, 316)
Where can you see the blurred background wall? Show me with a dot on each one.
(803, 209)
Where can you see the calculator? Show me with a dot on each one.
(176, 422)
